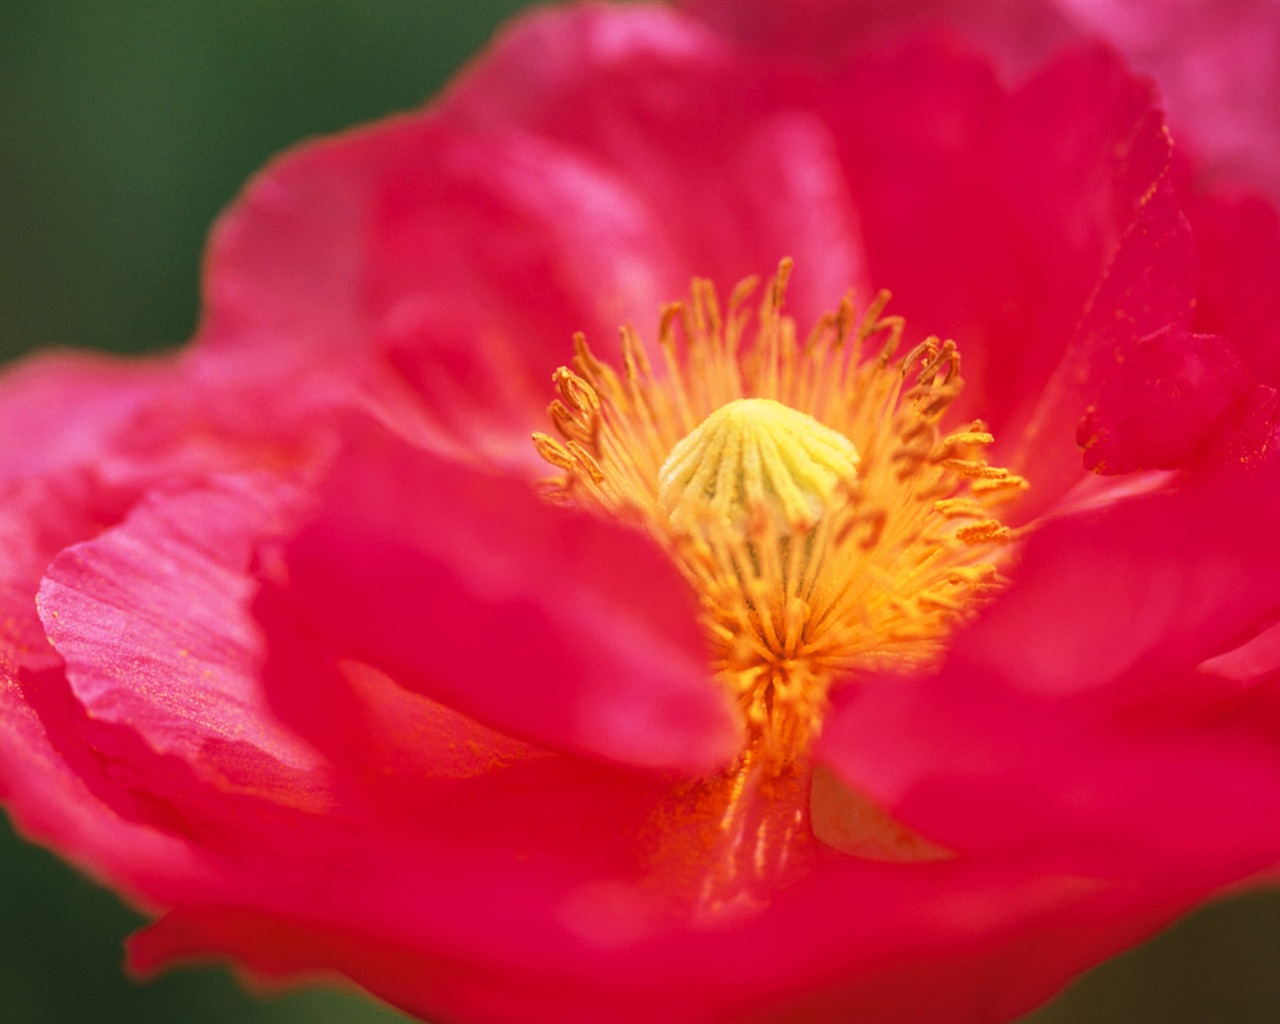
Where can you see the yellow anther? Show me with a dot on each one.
(983, 532)
(553, 451)
(975, 469)
(577, 393)
(972, 437)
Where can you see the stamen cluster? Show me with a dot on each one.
(810, 571)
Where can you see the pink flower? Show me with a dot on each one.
(810, 686)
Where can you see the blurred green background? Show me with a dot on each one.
(124, 129)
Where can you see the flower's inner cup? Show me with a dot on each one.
(804, 486)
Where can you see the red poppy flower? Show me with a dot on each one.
(795, 663)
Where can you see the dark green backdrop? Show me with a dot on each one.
(124, 128)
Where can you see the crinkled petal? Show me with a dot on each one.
(59, 790)
(151, 618)
(63, 412)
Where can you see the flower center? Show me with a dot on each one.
(805, 488)
(750, 458)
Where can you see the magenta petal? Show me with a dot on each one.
(458, 249)
(720, 149)
(1238, 237)
(385, 741)
(1156, 390)
(58, 791)
(515, 939)
(1157, 407)
(558, 627)
(993, 215)
(62, 409)
(988, 772)
(1218, 65)
(1069, 717)
(1255, 661)
(1155, 584)
(151, 618)
(1134, 265)
(392, 725)
(62, 794)
(834, 31)
(1247, 442)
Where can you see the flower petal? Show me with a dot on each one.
(103, 392)
(990, 773)
(57, 789)
(1158, 407)
(1238, 237)
(1155, 584)
(834, 31)
(993, 215)
(506, 943)
(1083, 671)
(555, 626)
(1218, 65)
(588, 215)
(151, 618)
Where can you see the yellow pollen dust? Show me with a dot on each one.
(804, 485)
